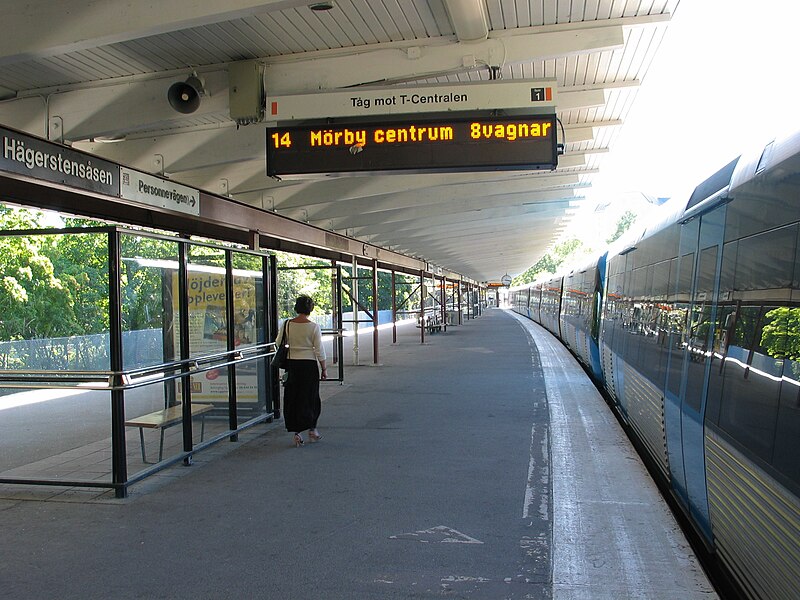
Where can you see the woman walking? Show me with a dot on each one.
(301, 402)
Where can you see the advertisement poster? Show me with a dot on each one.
(207, 332)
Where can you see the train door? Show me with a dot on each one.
(691, 356)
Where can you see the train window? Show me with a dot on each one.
(685, 275)
(727, 271)
(723, 338)
(752, 386)
(677, 339)
(796, 278)
(766, 155)
(745, 330)
(788, 427)
(766, 261)
(706, 276)
(761, 205)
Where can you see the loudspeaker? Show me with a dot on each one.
(184, 96)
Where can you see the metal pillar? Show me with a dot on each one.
(375, 320)
(230, 332)
(119, 465)
(394, 307)
(271, 279)
(186, 380)
(354, 293)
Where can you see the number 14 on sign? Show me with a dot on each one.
(282, 140)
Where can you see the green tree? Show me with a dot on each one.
(34, 301)
(297, 275)
(780, 336)
(81, 261)
(623, 224)
(550, 262)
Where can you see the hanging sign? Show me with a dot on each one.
(529, 96)
(155, 191)
(453, 143)
(26, 155)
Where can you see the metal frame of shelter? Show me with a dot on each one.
(252, 231)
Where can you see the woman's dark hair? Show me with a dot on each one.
(304, 305)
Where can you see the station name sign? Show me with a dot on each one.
(33, 157)
(40, 159)
(448, 144)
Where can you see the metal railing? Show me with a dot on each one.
(132, 378)
(117, 382)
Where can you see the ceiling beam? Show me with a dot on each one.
(468, 19)
(395, 62)
(73, 25)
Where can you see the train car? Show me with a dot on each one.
(699, 341)
(550, 305)
(520, 300)
(581, 304)
(526, 300)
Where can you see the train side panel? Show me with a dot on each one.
(698, 347)
(752, 433)
(551, 305)
(580, 313)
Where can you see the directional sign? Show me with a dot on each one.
(533, 96)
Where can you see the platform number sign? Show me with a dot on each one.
(541, 94)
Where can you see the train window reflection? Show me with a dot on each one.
(753, 378)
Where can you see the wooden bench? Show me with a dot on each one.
(432, 322)
(163, 419)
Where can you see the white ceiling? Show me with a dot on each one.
(86, 72)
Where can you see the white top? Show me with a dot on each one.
(305, 340)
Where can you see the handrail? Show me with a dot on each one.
(132, 378)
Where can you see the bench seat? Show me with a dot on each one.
(163, 419)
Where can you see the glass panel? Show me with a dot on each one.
(701, 328)
(150, 326)
(766, 261)
(149, 300)
(54, 316)
(752, 378)
(650, 355)
(249, 327)
(788, 427)
(208, 324)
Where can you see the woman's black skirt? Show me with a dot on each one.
(301, 403)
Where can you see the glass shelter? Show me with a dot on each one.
(136, 351)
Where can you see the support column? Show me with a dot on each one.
(375, 320)
(355, 281)
(119, 464)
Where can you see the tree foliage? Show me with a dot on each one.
(781, 333)
(34, 299)
(550, 262)
(623, 224)
(57, 285)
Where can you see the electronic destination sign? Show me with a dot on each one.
(403, 144)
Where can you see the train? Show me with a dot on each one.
(690, 326)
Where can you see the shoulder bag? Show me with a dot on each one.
(282, 352)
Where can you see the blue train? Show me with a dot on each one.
(692, 328)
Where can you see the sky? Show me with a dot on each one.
(725, 79)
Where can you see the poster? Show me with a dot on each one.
(208, 331)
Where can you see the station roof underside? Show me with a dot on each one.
(96, 75)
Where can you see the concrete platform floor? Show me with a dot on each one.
(481, 465)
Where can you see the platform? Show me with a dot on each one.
(482, 465)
